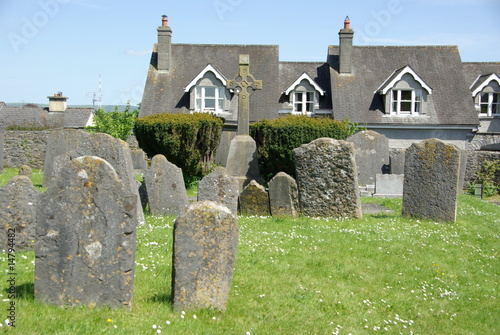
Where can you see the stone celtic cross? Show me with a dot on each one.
(244, 84)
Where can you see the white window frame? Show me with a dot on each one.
(303, 102)
(397, 101)
(489, 104)
(201, 99)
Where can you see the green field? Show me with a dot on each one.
(378, 274)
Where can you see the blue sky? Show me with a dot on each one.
(48, 46)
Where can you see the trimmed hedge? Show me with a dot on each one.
(187, 140)
(276, 139)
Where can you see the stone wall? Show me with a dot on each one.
(474, 161)
(25, 148)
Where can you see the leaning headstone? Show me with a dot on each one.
(86, 229)
(25, 170)
(19, 200)
(139, 159)
(372, 155)
(165, 187)
(205, 242)
(254, 200)
(66, 144)
(389, 185)
(432, 170)
(220, 187)
(283, 195)
(327, 179)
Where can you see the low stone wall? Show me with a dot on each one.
(474, 161)
(24, 148)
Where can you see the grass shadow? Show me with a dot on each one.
(164, 298)
(24, 291)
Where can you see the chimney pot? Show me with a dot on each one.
(164, 20)
(347, 23)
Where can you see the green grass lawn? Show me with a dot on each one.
(378, 274)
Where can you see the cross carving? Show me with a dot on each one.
(244, 85)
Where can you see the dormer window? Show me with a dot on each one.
(210, 99)
(303, 95)
(405, 93)
(486, 94)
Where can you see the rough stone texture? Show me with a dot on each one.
(283, 195)
(66, 144)
(389, 185)
(219, 187)
(327, 179)
(1, 151)
(165, 187)
(397, 158)
(86, 229)
(25, 170)
(372, 155)
(205, 242)
(139, 159)
(242, 160)
(18, 211)
(25, 147)
(254, 200)
(432, 170)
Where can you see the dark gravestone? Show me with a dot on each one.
(86, 229)
(430, 190)
(219, 187)
(283, 195)
(165, 187)
(372, 155)
(19, 201)
(254, 200)
(205, 242)
(327, 179)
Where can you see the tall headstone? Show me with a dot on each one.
(86, 229)
(327, 179)
(283, 195)
(432, 171)
(254, 200)
(372, 155)
(165, 188)
(242, 156)
(205, 242)
(220, 187)
(18, 205)
(66, 144)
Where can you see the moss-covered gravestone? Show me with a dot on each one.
(86, 229)
(254, 200)
(205, 242)
(431, 184)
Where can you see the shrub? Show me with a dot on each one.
(117, 123)
(187, 140)
(276, 139)
(488, 176)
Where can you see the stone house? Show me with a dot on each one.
(407, 93)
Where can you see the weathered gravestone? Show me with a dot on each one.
(219, 187)
(205, 242)
(66, 144)
(1, 151)
(139, 159)
(165, 188)
(430, 190)
(372, 155)
(389, 185)
(254, 200)
(327, 179)
(86, 228)
(283, 195)
(25, 170)
(18, 205)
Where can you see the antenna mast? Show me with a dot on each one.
(97, 96)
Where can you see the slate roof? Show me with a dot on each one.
(473, 70)
(439, 66)
(41, 117)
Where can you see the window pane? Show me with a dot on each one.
(210, 92)
(310, 96)
(210, 103)
(310, 107)
(406, 95)
(484, 108)
(298, 97)
(406, 107)
(394, 95)
(496, 97)
(417, 107)
(221, 104)
(495, 109)
(298, 107)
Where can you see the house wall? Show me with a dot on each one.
(489, 124)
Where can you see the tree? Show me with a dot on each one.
(117, 123)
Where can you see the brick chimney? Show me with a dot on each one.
(345, 46)
(57, 103)
(164, 45)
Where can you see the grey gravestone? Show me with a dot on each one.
(397, 157)
(432, 170)
(327, 179)
(205, 242)
(219, 187)
(139, 159)
(372, 155)
(165, 188)
(254, 200)
(86, 229)
(25, 170)
(389, 185)
(18, 205)
(283, 195)
(67, 144)
(1, 151)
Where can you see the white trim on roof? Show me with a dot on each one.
(208, 68)
(485, 83)
(389, 83)
(309, 79)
